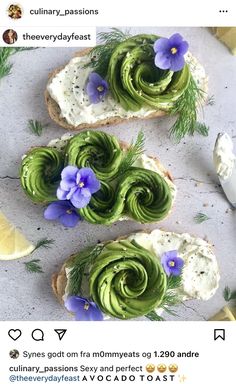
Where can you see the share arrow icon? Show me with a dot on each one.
(60, 333)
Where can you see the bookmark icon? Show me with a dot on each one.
(60, 333)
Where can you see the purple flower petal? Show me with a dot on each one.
(81, 198)
(66, 184)
(84, 310)
(177, 63)
(69, 172)
(55, 210)
(69, 219)
(93, 313)
(95, 78)
(71, 192)
(61, 194)
(96, 87)
(183, 48)
(162, 45)
(170, 52)
(175, 39)
(162, 61)
(172, 264)
(74, 303)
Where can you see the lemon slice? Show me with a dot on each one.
(13, 243)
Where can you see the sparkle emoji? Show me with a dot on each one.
(161, 368)
(173, 368)
(150, 368)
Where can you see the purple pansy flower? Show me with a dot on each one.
(62, 211)
(170, 52)
(84, 309)
(171, 263)
(77, 185)
(96, 88)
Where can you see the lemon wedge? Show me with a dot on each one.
(13, 243)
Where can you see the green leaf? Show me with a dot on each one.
(133, 153)
(36, 127)
(44, 243)
(210, 100)
(101, 54)
(78, 265)
(186, 108)
(33, 266)
(153, 316)
(5, 53)
(228, 294)
(200, 218)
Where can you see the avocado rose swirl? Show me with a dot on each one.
(136, 82)
(141, 194)
(40, 173)
(138, 193)
(126, 280)
(96, 150)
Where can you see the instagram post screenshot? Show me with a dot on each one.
(117, 192)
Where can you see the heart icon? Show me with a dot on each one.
(14, 334)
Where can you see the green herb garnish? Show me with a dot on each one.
(78, 266)
(228, 294)
(36, 127)
(133, 153)
(210, 100)
(44, 243)
(101, 54)
(33, 266)
(5, 53)
(186, 107)
(153, 316)
(169, 300)
(200, 218)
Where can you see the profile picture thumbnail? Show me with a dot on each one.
(9, 36)
(14, 11)
(14, 354)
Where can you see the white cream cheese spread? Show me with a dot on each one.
(200, 273)
(68, 89)
(223, 156)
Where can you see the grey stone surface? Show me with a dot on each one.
(25, 296)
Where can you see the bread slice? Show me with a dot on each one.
(55, 112)
(60, 279)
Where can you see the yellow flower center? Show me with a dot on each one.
(100, 88)
(69, 211)
(171, 263)
(81, 184)
(86, 306)
(174, 50)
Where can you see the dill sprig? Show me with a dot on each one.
(186, 108)
(5, 54)
(78, 265)
(169, 300)
(36, 127)
(44, 243)
(210, 100)
(201, 217)
(33, 266)
(228, 294)
(101, 54)
(133, 153)
(153, 316)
